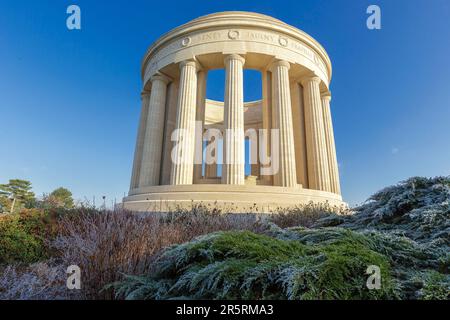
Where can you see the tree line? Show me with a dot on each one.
(17, 194)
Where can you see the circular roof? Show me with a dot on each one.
(239, 19)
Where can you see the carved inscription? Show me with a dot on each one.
(209, 36)
(260, 36)
(265, 37)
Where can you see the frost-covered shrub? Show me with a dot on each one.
(236, 265)
(304, 215)
(411, 261)
(418, 208)
(38, 281)
(403, 229)
(107, 245)
(436, 286)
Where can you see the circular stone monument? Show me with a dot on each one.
(192, 150)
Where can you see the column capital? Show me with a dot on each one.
(279, 63)
(234, 56)
(190, 63)
(145, 94)
(202, 69)
(308, 79)
(160, 77)
(326, 95)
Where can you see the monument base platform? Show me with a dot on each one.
(228, 198)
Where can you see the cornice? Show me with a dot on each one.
(234, 19)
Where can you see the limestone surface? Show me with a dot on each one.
(190, 149)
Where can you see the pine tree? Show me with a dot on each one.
(19, 194)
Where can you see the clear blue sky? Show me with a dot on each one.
(70, 100)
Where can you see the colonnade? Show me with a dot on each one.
(315, 142)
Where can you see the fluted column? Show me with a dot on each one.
(331, 148)
(281, 104)
(267, 126)
(254, 160)
(152, 151)
(318, 172)
(183, 152)
(200, 122)
(171, 121)
(145, 99)
(298, 116)
(233, 147)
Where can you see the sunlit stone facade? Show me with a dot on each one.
(290, 129)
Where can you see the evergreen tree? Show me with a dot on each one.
(18, 194)
(61, 197)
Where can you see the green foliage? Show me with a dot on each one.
(436, 286)
(59, 198)
(403, 229)
(5, 204)
(241, 264)
(19, 194)
(305, 215)
(22, 236)
(418, 208)
(307, 253)
(410, 261)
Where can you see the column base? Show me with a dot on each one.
(228, 198)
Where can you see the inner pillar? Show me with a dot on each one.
(200, 122)
(211, 158)
(233, 171)
(264, 150)
(170, 125)
(298, 118)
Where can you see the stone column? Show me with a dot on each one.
(210, 169)
(318, 173)
(254, 150)
(152, 152)
(145, 99)
(183, 153)
(233, 171)
(266, 123)
(281, 104)
(170, 125)
(200, 122)
(298, 117)
(331, 148)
